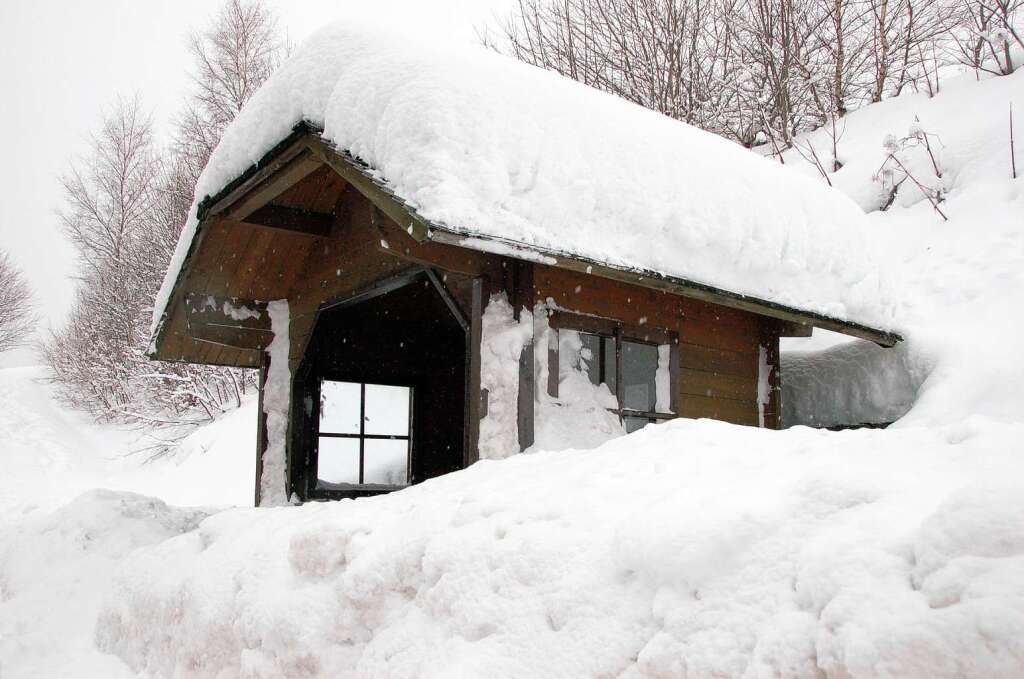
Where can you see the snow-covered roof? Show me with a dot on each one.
(488, 147)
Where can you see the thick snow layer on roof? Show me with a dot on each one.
(491, 147)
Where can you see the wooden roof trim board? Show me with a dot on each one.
(304, 150)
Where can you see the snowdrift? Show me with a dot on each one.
(689, 549)
(52, 453)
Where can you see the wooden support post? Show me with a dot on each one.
(775, 384)
(473, 339)
(674, 373)
(769, 344)
(261, 424)
(523, 299)
(524, 402)
(553, 362)
(620, 384)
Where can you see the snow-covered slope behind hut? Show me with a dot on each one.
(962, 280)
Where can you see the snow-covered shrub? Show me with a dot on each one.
(913, 157)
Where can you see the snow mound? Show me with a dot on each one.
(55, 570)
(691, 549)
(489, 147)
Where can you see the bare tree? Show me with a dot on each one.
(108, 216)
(232, 58)
(746, 69)
(16, 311)
(667, 56)
(985, 35)
(125, 205)
(757, 71)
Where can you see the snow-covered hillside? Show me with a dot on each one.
(688, 549)
(961, 281)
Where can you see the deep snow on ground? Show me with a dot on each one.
(688, 549)
(57, 552)
(55, 571)
(693, 549)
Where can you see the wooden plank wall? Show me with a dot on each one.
(719, 347)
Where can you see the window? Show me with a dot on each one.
(364, 434)
(633, 363)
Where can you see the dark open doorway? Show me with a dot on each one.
(401, 344)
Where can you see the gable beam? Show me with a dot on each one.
(293, 220)
(358, 177)
(229, 322)
(292, 166)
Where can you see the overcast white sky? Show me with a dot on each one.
(62, 63)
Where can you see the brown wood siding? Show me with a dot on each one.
(718, 351)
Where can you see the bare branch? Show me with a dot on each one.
(17, 318)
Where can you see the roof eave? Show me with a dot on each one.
(675, 284)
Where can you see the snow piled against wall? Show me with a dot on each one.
(848, 384)
(579, 417)
(691, 548)
(490, 147)
(501, 344)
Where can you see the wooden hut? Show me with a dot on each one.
(384, 328)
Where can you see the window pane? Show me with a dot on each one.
(634, 423)
(595, 349)
(387, 410)
(590, 357)
(338, 460)
(339, 407)
(386, 462)
(609, 362)
(639, 369)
